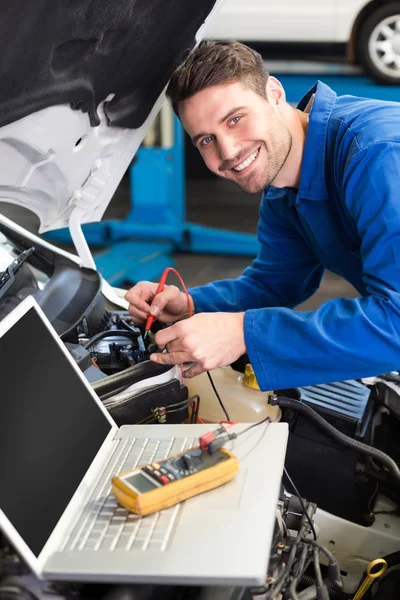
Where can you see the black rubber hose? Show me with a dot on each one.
(392, 561)
(337, 435)
(334, 594)
(110, 333)
(333, 568)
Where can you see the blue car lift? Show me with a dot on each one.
(141, 246)
(296, 85)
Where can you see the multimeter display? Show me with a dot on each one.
(140, 482)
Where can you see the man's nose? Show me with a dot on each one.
(227, 148)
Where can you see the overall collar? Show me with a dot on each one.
(312, 180)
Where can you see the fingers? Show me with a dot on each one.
(206, 340)
(139, 298)
(169, 294)
(144, 290)
(166, 336)
(173, 358)
(176, 358)
(165, 306)
(193, 370)
(139, 310)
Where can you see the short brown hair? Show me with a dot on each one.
(213, 63)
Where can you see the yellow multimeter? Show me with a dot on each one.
(154, 487)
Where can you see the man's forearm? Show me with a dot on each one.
(233, 295)
(290, 348)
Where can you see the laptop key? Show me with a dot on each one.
(105, 524)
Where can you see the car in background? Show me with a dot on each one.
(369, 30)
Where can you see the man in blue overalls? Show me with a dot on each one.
(330, 175)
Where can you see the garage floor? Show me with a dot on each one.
(209, 201)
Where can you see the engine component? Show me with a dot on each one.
(7, 277)
(347, 441)
(118, 345)
(73, 302)
(291, 553)
(70, 296)
(344, 403)
(245, 403)
(163, 403)
(323, 468)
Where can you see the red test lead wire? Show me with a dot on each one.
(151, 318)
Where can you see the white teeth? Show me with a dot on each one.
(246, 162)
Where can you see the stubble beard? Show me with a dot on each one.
(264, 175)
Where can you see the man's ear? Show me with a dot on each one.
(275, 92)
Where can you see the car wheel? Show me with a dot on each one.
(379, 44)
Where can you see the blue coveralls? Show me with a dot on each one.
(345, 217)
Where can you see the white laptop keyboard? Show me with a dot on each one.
(105, 525)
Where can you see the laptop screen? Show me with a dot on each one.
(50, 429)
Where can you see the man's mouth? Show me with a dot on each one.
(246, 163)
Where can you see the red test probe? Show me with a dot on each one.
(151, 318)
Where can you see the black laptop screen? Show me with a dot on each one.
(50, 429)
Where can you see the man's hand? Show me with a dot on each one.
(208, 340)
(168, 306)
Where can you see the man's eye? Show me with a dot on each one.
(235, 120)
(205, 141)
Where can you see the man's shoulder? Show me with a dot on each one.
(366, 119)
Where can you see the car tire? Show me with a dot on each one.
(379, 44)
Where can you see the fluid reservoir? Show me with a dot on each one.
(240, 394)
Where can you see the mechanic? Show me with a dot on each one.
(330, 175)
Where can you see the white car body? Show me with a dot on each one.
(369, 30)
(286, 20)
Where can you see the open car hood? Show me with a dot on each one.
(81, 81)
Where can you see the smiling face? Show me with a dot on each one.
(240, 135)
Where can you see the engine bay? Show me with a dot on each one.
(341, 478)
(72, 300)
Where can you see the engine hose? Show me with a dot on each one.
(310, 592)
(337, 435)
(392, 561)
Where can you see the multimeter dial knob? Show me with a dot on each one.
(187, 462)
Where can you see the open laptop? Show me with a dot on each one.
(59, 448)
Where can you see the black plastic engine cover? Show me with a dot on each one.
(324, 470)
(71, 295)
